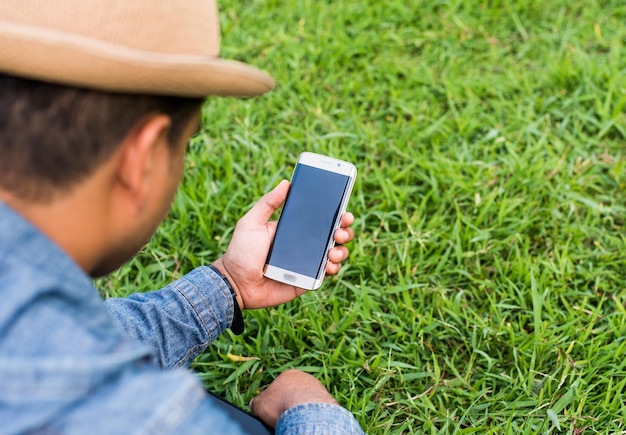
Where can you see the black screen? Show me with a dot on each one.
(307, 220)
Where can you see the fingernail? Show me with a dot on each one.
(346, 235)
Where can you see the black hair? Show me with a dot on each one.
(52, 136)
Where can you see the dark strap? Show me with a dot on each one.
(237, 325)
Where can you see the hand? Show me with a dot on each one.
(290, 389)
(245, 256)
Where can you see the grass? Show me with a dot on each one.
(485, 289)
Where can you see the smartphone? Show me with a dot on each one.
(248, 423)
(318, 196)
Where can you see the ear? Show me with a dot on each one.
(138, 154)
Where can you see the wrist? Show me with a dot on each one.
(219, 265)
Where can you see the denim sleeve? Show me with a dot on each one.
(317, 419)
(180, 320)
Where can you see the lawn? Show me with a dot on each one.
(485, 291)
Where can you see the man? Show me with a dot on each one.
(97, 102)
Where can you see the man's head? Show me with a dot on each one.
(55, 140)
(97, 102)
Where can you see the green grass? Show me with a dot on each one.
(485, 289)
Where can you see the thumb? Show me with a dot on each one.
(261, 212)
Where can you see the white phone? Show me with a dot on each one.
(318, 196)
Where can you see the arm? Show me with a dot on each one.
(184, 317)
(305, 419)
(180, 320)
(297, 403)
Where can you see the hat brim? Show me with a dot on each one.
(49, 55)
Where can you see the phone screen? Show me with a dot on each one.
(307, 220)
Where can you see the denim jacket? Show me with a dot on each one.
(71, 364)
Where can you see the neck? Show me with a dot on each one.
(75, 221)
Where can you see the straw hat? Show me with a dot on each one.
(165, 47)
